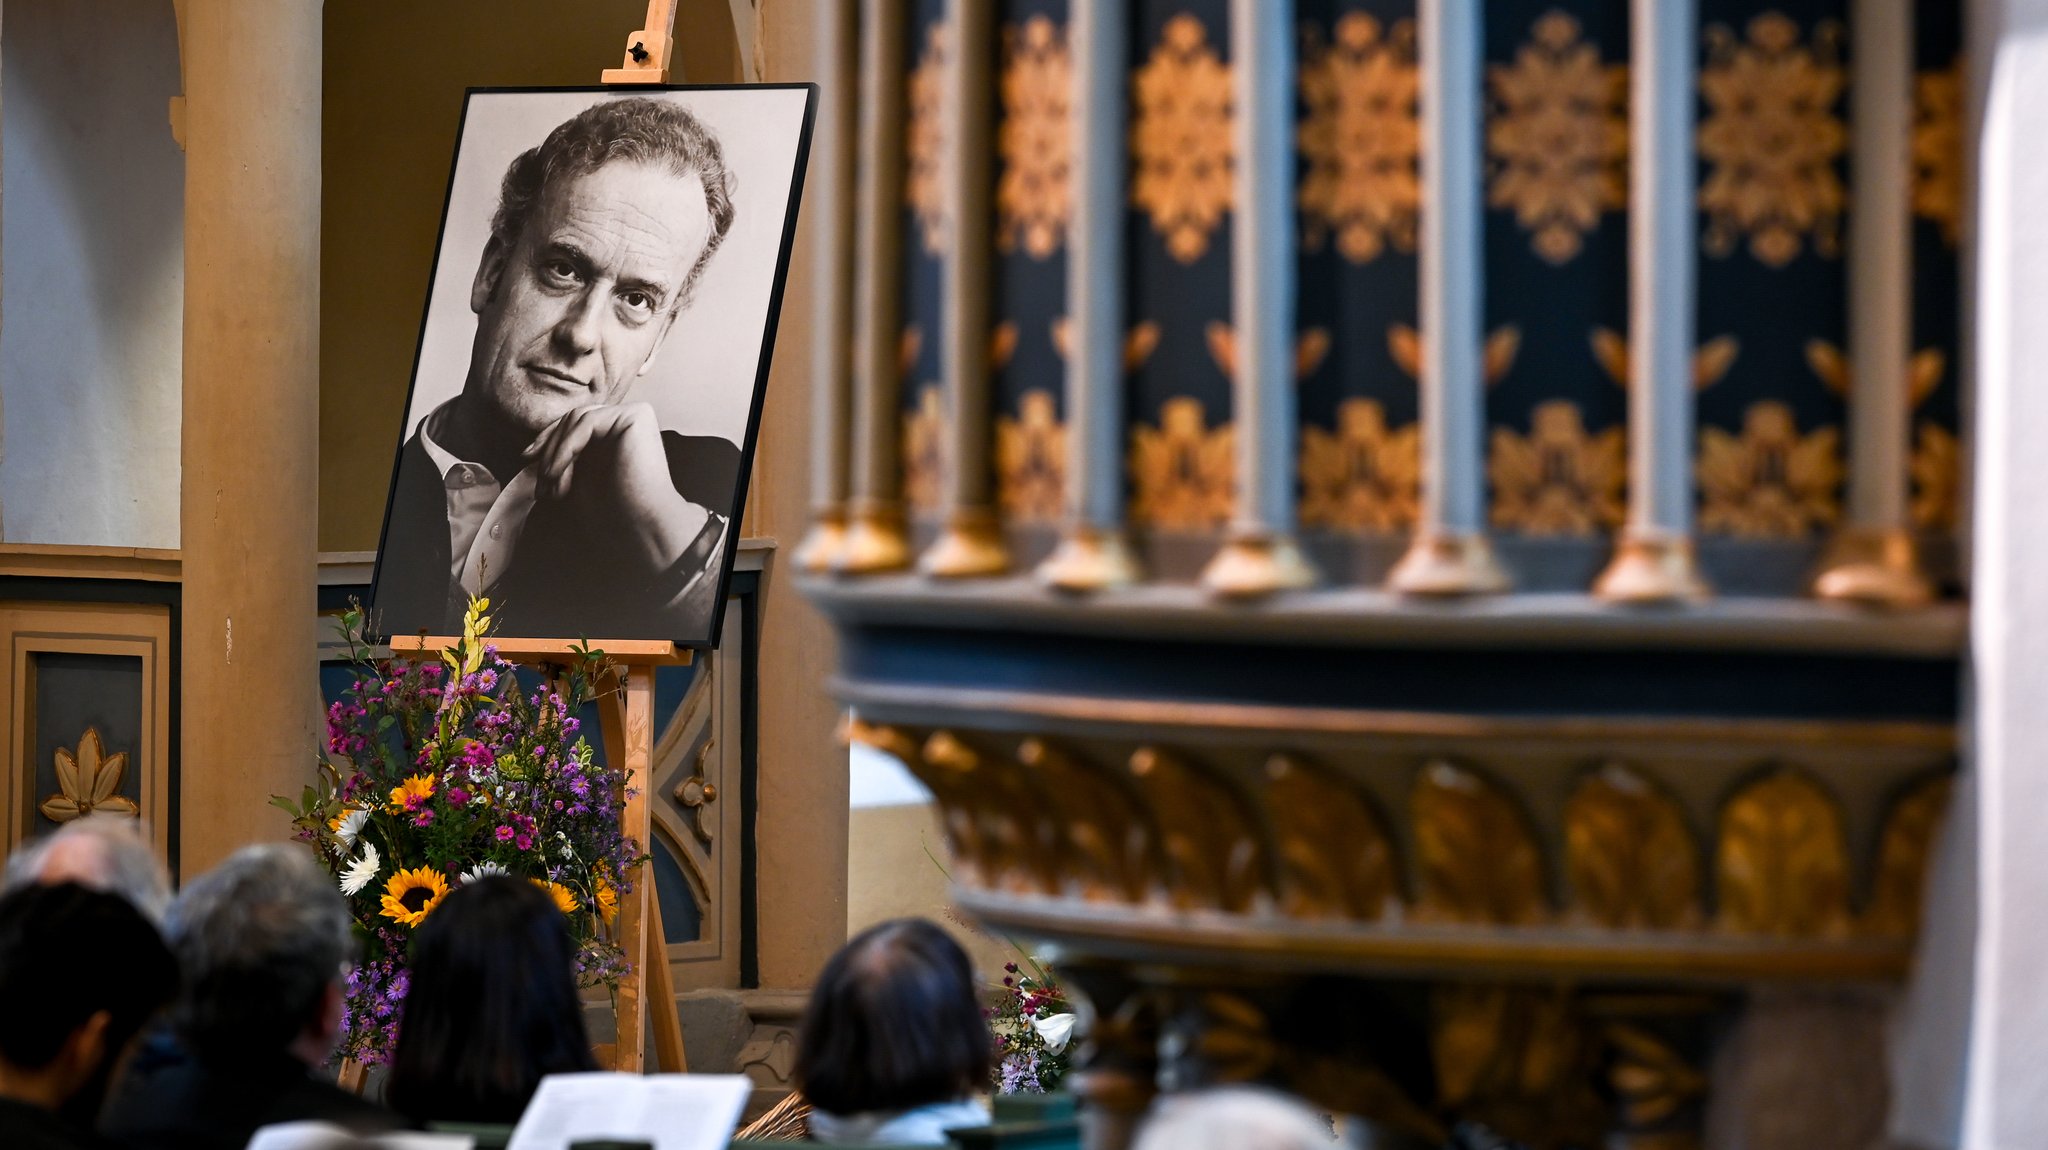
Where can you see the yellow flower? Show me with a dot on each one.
(411, 793)
(412, 893)
(607, 901)
(564, 900)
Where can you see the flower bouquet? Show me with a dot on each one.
(1033, 1025)
(439, 773)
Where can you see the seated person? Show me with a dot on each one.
(492, 1008)
(1234, 1118)
(894, 1046)
(80, 973)
(261, 941)
(105, 852)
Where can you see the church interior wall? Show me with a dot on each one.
(92, 233)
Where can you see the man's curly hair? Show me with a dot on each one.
(639, 128)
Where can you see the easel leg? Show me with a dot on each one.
(669, 1054)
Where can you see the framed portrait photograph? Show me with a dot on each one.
(591, 366)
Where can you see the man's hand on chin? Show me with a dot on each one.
(608, 462)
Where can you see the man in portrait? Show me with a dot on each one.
(545, 484)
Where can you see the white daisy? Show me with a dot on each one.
(360, 872)
(483, 870)
(351, 826)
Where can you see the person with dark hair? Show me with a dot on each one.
(81, 972)
(894, 1046)
(492, 1007)
(262, 941)
(541, 475)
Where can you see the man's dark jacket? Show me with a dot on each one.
(171, 1099)
(569, 577)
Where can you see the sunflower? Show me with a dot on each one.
(411, 793)
(565, 901)
(607, 901)
(412, 893)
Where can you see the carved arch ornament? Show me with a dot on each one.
(1166, 830)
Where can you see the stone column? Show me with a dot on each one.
(1654, 561)
(832, 152)
(1260, 556)
(971, 542)
(1874, 560)
(250, 694)
(1451, 554)
(875, 539)
(1093, 553)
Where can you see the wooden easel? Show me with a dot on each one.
(648, 49)
(626, 710)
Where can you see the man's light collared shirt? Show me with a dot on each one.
(485, 518)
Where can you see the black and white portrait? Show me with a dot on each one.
(591, 364)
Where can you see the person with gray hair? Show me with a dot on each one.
(102, 852)
(262, 941)
(1234, 1118)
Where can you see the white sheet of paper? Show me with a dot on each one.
(668, 1111)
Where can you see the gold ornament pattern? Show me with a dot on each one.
(924, 141)
(1910, 831)
(1475, 851)
(1033, 196)
(1938, 149)
(1363, 476)
(1772, 138)
(1782, 867)
(1936, 468)
(1182, 475)
(924, 452)
(1557, 137)
(1558, 479)
(1710, 361)
(1181, 148)
(1031, 453)
(1770, 481)
(1629, 856)
(86, 781)
(1361, 139)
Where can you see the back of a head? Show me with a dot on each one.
(1233, 1118)
(259, 938)
(68, 953)
(894, 1023)
(491, 1006)
(106, 852)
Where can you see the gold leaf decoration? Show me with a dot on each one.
(1771, 139)
(1558, 479)
(1477, 854)
(1181, 146)
(1033, 196)
(1139, 343)
(1938, 149)
(1362, 476)
(1182, 475)
(1831, 365)
(1910, 829)
(1002, 344)
(1937, 475)
(1769, 482)
(1629, 856)
(924, 452)
(1650, 1079)
(1213, 853)
(1557, 137)
(86, 781)
(1404, 346)
(908, 348)
(1782, 867)
(1520, 1061)
(1310, 346)
(1335, 861)
(1031, 455)
(1361, 139)
(1098, 821)
(924, 141)
(1710, 361)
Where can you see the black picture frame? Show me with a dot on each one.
(729, 549)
